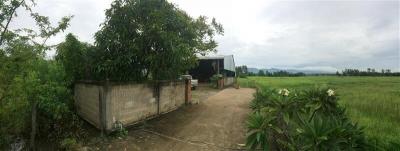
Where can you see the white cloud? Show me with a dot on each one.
(302, 34)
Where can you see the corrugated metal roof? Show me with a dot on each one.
(211, 57)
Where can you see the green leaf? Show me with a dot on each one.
(277, 129)
(286, 117)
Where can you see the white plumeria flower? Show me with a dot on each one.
(330, 92)
(284, 92)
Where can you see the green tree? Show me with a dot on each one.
(24, 82)
(74, 57)
(151, 39)
(261, 73)
(241, 71)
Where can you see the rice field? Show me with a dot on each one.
(373, 102)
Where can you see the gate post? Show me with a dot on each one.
(220, 82)
(188, 88)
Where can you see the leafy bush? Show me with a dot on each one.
(45, 83)
(34, 97)
(303, 120)
(69, 144)
(214, 80)
(259, 127)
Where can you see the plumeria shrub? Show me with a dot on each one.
(302, 120)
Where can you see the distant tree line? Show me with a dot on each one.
(368, 72)
(242, 72)
(281, 73)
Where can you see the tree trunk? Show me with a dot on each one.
(33, 126)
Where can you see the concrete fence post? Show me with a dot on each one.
(188, 90)
(156, 94)
(103, 106)
(220, 83)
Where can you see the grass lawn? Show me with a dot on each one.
(373, 102)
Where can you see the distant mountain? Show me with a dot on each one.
(272, 70)
(252, 70)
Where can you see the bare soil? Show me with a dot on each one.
(216, 123)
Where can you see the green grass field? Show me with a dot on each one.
(373, 102)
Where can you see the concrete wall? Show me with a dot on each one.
(131, 103)
(172, 95)
(127, 103)
(87, 102)
(229, 81)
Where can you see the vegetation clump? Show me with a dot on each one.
(151, 40)
(310, 119)
(214, 80)
(35, 97)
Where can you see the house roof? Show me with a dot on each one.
(211, 57)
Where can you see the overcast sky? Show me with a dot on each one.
(326, 35)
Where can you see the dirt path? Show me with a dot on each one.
(214, 124)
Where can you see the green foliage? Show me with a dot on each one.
(57, 118)
(76, 58)
(29, 82)
(369, 72)
(69, 144)
(151, 39)
(303, 120)
(45, 82)
(330, 133)
(241, 71)
(261, 73)
(370, 101)
(119, 130)
(214, 80)
(258, 126)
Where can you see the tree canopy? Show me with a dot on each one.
(34, 97)
(151, 40)
(75, 57)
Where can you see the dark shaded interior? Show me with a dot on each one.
(206, 69)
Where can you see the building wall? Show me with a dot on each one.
(127, 103)
(229, 81)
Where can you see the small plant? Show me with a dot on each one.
(258, 128)
(120, 130)
(214, 80)
(69, 144)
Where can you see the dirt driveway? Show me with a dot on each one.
(216, 123)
